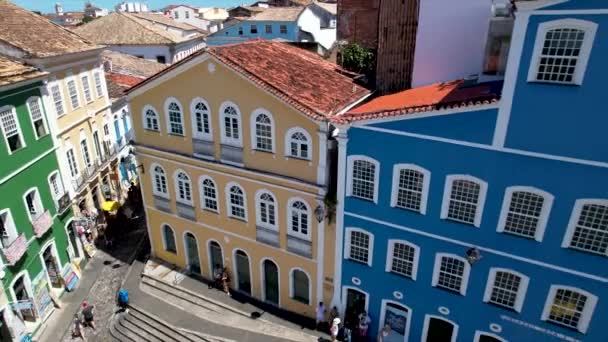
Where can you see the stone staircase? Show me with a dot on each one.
(139, 326)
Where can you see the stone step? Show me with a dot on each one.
(159, 328)
(118, 336)
(124, 334)
(141, 335)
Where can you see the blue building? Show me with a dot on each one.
(478, 211)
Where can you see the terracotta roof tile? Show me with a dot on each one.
(452, 94)
(118, 83)
(12, 71)
(35, 36)
(130, 65)
(278, 14)
(303, 79)
(164, 20)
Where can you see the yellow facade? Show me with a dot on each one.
(286, 178)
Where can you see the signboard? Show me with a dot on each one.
(396, 318)
(42, 223)
(69, 277)
(41, 295)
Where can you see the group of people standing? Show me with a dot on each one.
(221, 279)
(354, 329)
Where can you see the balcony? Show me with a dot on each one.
(186, 211)
(129, 136)
(78, 181)
(15, 250)
(91, 170)
(202, 148)
(267, 236)
(299, 246)
(63, 203)
(162, 204)
(42, 223)
(232, 154)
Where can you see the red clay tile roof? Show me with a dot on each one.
(12, 71)
(452, 94)
(303, 79)
(118, 83)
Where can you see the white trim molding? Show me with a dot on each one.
(290, 203)
(263, 280)
(574, 222)
(381, 322)
(309, 143)
(144, 118)
(186, 252)
(163, 227)
(195, 132)
(236, 273)
(253, 131)
(447, 197)
(188, 188)
(28, 104)
(239, 117)
(344, 294)
(389, 257)
(229, 205)
(153, 176)
(465, 272)
(586, 314)
(9, 226)
(258, 210)
(209, 261)
(479, 334)
(522, 289)
(348, 242)
(589, 27)
(203, 197)
(349, 181)
(426, 180)
(427, 321)
(542, 219)
(292, 285)
(17, 127)
(168, 102)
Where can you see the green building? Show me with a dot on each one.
(34, 206)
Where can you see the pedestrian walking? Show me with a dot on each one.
(335, 328)
(77, 331)
(320, 316)
(225, 280)
(88, 312)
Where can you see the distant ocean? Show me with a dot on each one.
(48, 6)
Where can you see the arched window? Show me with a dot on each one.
(561, 51)
(175, 122)
(201, 119)
(363, 178)
(160, 181)
(463, 199)
(231, 124)
(183, 187)
(298, 143)
(169, 239)
(525, 212)
(34, 106)
(300, 286)
(237, 205)
(209, 195)
(410, 187)
(451, 273)
(263, 127)
(150, 119)
(11, 129)
(266, 210)
(588, 228)
(506, 288)
(402, 258)
(299, 219)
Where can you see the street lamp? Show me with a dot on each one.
(320, 213)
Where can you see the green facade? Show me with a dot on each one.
(26, 168)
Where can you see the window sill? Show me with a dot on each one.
(470, 224)
(256, 150)
(301, 300)
(408, 209)
(237, 218)
(163, 196)
(176, 135)
(362, 199)
(297, 158)
(557, 83)
(211, 211)
(401, 275)
(359, 262)
(152, 130)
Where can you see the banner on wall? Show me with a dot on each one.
(69, 277)
(42, 297)
(396, 318)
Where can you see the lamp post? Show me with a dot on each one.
(320, 213)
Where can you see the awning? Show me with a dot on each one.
(110, 206)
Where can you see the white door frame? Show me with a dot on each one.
(186, 250)
(427, 321)
(263, 280)
(211, 265)
(55, 255)
(409, 317)
(78, 242)
(344, 301)
(236, 273)
(478, 334)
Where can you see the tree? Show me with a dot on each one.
(357, 58)
(87, 19)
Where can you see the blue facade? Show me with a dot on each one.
(554, 146)
(287, 30)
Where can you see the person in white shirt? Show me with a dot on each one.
(320, 315)
(335, 328)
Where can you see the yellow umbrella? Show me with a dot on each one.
(110, 206)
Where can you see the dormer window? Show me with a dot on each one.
(561, 52)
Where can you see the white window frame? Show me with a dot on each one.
(292, 284)
(168, 102)
(590, 29)
(67, 84)
(542, 219)
(86, 154)
(68, 148)
(299, 234)
(349, 178)
(60, 186)
(11, 228)
(145, 121)
(42, 116)
(193, 110)
(370, 248)
(19, 130)
(229, 205)
(187, 182)
(38, 206)
(586, 315)
(573, 222)
(389, 257)
(521, 291)
(61, 102)
(253, 118)
(99, 80)
(481, 200)
(86, 87)
(465, 274)
(225, 140)
(426, 181)
(288, 135)
(202, 179)
(162, 233)
(258, 210)
(153, 178)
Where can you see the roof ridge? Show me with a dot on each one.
(138, 22)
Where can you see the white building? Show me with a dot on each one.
(187, 15)
(132, 7)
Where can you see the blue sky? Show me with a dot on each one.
(47, 6)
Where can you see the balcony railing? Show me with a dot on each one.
(233, 154)
(267, 236)
(63, 203)
(162, 203)
(299, 246)
(186, 211)
(42, 223)
(202, 148)
(15, 250)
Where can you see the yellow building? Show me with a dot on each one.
(76, 101)
(236, 148)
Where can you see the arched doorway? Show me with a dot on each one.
(51, 265)
(356, 302)
(215, 256)
(437, 329)
(397, 317)
(271, 282)
(192, 259)
(243, 275)
(22, 290)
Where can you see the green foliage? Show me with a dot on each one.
(87, 19)
(357, 58)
